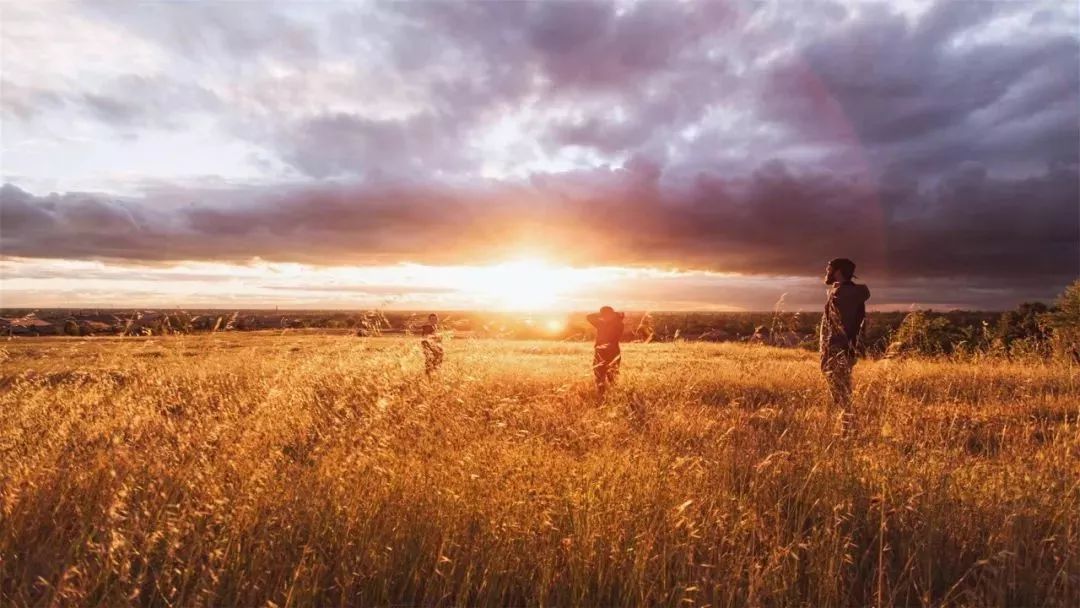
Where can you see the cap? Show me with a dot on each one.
(843, 264)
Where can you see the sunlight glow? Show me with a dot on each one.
(525, 284)
(528, 284)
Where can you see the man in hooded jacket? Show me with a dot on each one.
(841, 330)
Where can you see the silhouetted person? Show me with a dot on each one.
(606, 352)
(432, 344)
(841, 329)
(646, 330)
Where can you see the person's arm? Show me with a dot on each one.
(857, 341)
(862, 317)
(593, 319)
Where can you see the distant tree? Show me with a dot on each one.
(975, 337)
(925, 334)
(1024, 323)
(1064, 322)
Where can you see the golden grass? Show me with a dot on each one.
(316, 470)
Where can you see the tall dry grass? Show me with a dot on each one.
(312, 470)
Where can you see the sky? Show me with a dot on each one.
(537, 155)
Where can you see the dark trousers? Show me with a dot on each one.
(433, 355)
(606, 365)
(836, 365)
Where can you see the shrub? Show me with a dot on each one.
(1064, 322)
(923, 334)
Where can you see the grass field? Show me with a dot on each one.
(303, 470)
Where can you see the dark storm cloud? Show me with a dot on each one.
(77, 225)
(573, 46)
(919, 96)
(774, 222)
(335, 144)
(892, 91)
(477, 60)
(589, 46)
(697, 291)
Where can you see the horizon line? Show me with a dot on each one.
(911, 308)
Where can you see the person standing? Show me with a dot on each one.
(606, 352)
(431, 342)
(841, 330)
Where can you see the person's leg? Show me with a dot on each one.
(429, 357)
(843, 381)
(836, 366)
(600, 372)
(613, 369)
(827, 366)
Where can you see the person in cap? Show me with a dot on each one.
(841, 330)
(431, 342)
(606, 352)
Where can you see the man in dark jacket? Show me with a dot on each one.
(606, 352)
(841, 328)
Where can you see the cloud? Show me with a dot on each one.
(917, 96)
(133, 101)
(337, 144)
(26, 102)
(929, 141)
(777, 221)
(399, 89)
(216, 34)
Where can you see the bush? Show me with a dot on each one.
(922, 334)
(1064, 322)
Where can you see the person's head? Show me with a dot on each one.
(839, 270)
(433, 318)
(607, 312)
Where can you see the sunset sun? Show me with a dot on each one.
(523, 284)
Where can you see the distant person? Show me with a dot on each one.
(646, 329)
(431, 342)
(841, 329)
(606, 353)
